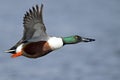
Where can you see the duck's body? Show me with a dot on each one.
(35, 41)
(39, 48)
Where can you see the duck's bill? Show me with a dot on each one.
(87, 39)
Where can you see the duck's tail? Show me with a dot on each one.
(10, 51)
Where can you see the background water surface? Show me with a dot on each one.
(99, 60)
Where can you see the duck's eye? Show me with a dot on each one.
(77, 37)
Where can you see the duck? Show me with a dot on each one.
(36, 42)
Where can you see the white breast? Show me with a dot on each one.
(55, 43)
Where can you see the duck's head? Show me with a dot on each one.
(76, 39)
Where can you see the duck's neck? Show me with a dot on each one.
(70, 40)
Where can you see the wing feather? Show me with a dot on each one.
(34, 28)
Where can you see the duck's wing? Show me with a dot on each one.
(34, 28)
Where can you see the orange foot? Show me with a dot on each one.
(16, 54)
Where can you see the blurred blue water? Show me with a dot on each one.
(99, 60)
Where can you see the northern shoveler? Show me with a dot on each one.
(35, 41)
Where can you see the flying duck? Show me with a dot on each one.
(36, 42)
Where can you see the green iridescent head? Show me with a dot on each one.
(76, 39)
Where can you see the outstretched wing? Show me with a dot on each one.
(34, 28)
